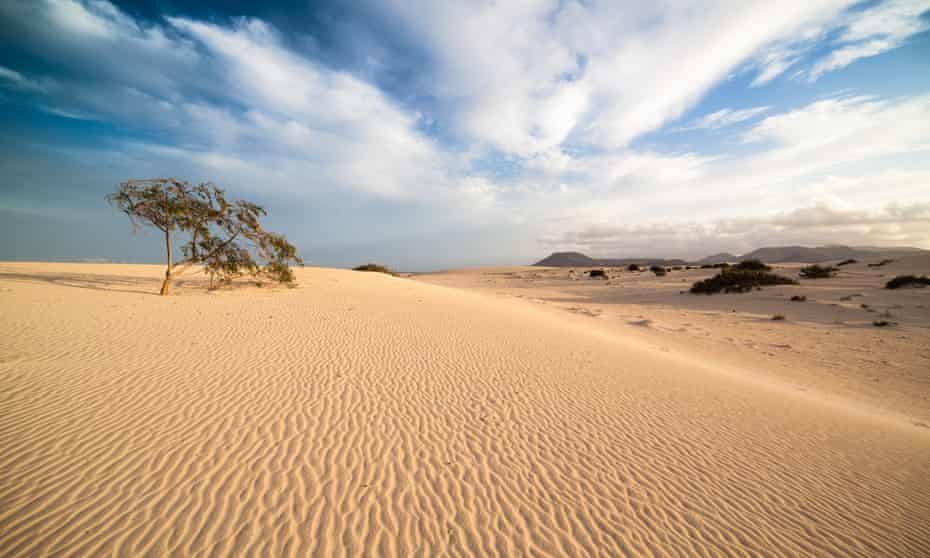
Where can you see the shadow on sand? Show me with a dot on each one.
(96, 282)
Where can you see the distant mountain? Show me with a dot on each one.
(577, 259)
(804, 254)
(567, 259)
(801, 254)
(770, 254)
(722, 257)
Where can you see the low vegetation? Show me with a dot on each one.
(658, 270)
(881, 263)
(881, 323)
(733, 280)
(597, 273)
(723, 265)
(632, 267)
(753, 265)
(778, 317)
(847, 262)
(799, 298)
(907, 281)
(376, 268)
(818, 272)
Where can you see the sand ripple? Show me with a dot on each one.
(362, 414)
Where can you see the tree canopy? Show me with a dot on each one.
(225, 237)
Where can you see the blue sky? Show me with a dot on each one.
(433, 134)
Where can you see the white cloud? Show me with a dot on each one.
(16, 80)
(826, 152)
(832, 131)
(725, 117)
(236, 102)
(854, 34)
(323, 123)
(65, 113)
(527, 76)
(774, 62)
(896, 19)
(891, 225)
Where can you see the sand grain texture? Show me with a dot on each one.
(362, 414)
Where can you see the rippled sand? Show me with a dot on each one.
(363, 414)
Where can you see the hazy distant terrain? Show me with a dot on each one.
(774, 254)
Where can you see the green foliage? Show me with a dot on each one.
(908, 281)
(752, 265)
(817, 272)
(734, 280)
(225, 237)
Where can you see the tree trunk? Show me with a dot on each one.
(166, 284)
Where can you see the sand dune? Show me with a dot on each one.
(827, 343)
(363, 414)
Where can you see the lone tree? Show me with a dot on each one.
(225, 237)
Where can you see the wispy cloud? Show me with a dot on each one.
(851, 35)
(12, 78)
(725, 117)
(873, 32)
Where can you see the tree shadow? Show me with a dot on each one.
(123, 284)
(96, 282)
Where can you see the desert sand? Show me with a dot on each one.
(497, 413)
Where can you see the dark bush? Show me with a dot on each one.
(907, 281)
(881, 263)
(658, 270)
(818, 272)
(633, 267)
(847, 262)
(753, 265)
(778, 317)
(378, 268)
(739, 281)
(799, 298)
(597, 273)
(881, 323)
